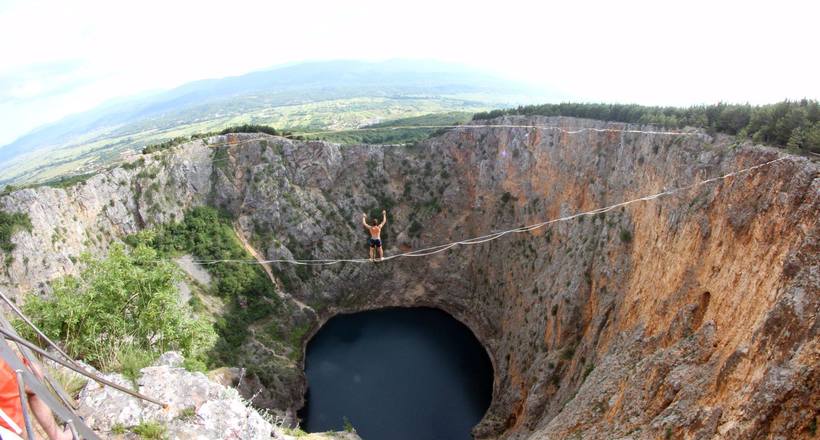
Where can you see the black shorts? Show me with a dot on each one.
(374, 242)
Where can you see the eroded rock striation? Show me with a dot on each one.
(693, 315)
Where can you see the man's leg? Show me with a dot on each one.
(372, 253)
(43, 414)
(381, 253)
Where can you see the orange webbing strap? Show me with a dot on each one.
(32, 359)
(33, 383)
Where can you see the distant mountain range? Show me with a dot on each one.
(354, 93)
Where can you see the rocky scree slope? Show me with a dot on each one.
(691, 316)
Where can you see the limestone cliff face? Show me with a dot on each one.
(88, 216)
(691, 316)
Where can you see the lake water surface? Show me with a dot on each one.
(397, 374)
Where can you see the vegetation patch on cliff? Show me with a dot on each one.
(208, 234)
(793, 124)
(119, 309)
(10, 223)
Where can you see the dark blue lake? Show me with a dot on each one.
(395, 374)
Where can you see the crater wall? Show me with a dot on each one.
(693, 315)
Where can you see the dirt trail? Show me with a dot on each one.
(266, 267)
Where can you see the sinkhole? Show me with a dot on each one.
(396, 373)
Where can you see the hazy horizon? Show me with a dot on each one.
(83, 54)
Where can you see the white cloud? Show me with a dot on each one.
(632, 51)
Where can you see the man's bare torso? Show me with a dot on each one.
(375, 231)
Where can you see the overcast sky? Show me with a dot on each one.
(59, 57)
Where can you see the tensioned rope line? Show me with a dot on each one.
(496, 235)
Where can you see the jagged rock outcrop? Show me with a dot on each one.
(691, 316)
(197, 408)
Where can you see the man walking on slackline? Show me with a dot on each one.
(375, 240)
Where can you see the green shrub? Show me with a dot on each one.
(415, 228)
(132, 360)
(252, 128)
(295, 432)
(150, 430)
(196, 304)
(147, 173)
(71, 382)
(587, 370)
(135, 164)
(8, 189)
(165, 145)
(568, 352)
(66, 181)
(118, 309)
(507, 197)
(187, 414)
(195, 365)
(626, 236)
(10, 223)
(347, 425)
(208, 234)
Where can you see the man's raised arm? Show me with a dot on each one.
(364, 220)
(384, 218)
